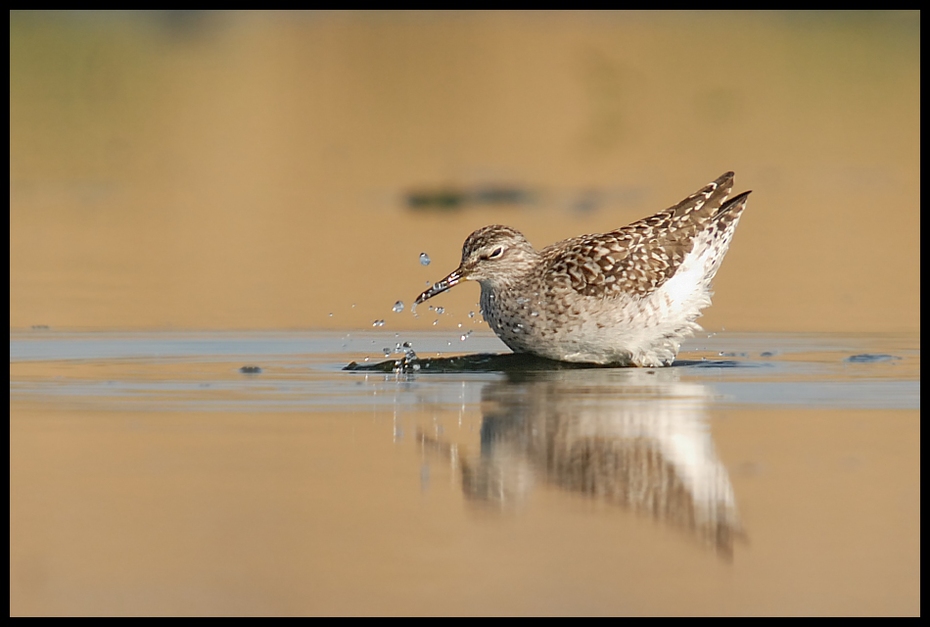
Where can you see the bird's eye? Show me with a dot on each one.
(497, 252)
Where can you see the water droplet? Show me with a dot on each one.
(435, 322)
(367, 358)
(424, 259)
(398, 306)
(353, 305)
(465, 336)
(460, 325)
(330, 314)
(378, 323)
(440, 310)
(534, 314)
(387, 351)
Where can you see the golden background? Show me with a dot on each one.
(254, 171)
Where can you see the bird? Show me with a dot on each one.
(623, 298)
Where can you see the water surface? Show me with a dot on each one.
(278, 171)
(759, 474)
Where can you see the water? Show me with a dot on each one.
(251, 473)
(193, 170)
(303, 370)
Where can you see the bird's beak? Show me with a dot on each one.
(442, 286)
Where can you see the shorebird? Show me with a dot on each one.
(627, 297)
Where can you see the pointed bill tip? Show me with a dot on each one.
(440, 287)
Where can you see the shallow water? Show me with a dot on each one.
(275, 171)
(760, 474)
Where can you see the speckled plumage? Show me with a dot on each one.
(625, 297)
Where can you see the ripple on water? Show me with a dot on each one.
(868, 358)
(812, 371)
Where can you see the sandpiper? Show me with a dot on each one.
(627, 297)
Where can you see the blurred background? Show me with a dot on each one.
(286, 170)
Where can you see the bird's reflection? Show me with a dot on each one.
(635, 438)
